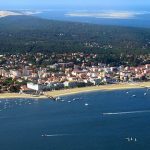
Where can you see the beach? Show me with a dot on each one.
(17, 95)
(108, 87)
(72, 91)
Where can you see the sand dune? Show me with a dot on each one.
(8, 13)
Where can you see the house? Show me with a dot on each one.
(147, 66)
(109, 80)
(25, 90)
(15, 73)
(70, 84)
(95, 81)
(55, 85)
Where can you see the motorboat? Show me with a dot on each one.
(86, 104)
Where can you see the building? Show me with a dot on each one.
(71, 84)
(36, 87)
(95, 81)
(15, 73)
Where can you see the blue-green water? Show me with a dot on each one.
(104, 124)
(141, 16)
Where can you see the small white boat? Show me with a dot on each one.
(58, 98)
(145, 94)
(129, 139)
(44, 135)
(133, 95)
(86, 104)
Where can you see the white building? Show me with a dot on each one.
(36, 87)
(71, 84)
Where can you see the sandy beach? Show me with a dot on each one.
(98, 88)
(79, 90)
(17, 95)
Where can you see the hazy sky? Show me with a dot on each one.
(102, 4)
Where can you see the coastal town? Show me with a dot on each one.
(35, 74)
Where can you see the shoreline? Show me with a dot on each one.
(73, 91)
(17, 95)
(109, 87)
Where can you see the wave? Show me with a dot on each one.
(127, 112)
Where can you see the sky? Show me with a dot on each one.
(76, 4)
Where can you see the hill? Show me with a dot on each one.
(26, 33)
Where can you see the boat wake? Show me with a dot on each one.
(54, 135)
(127, 112)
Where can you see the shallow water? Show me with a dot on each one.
(71, 124)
